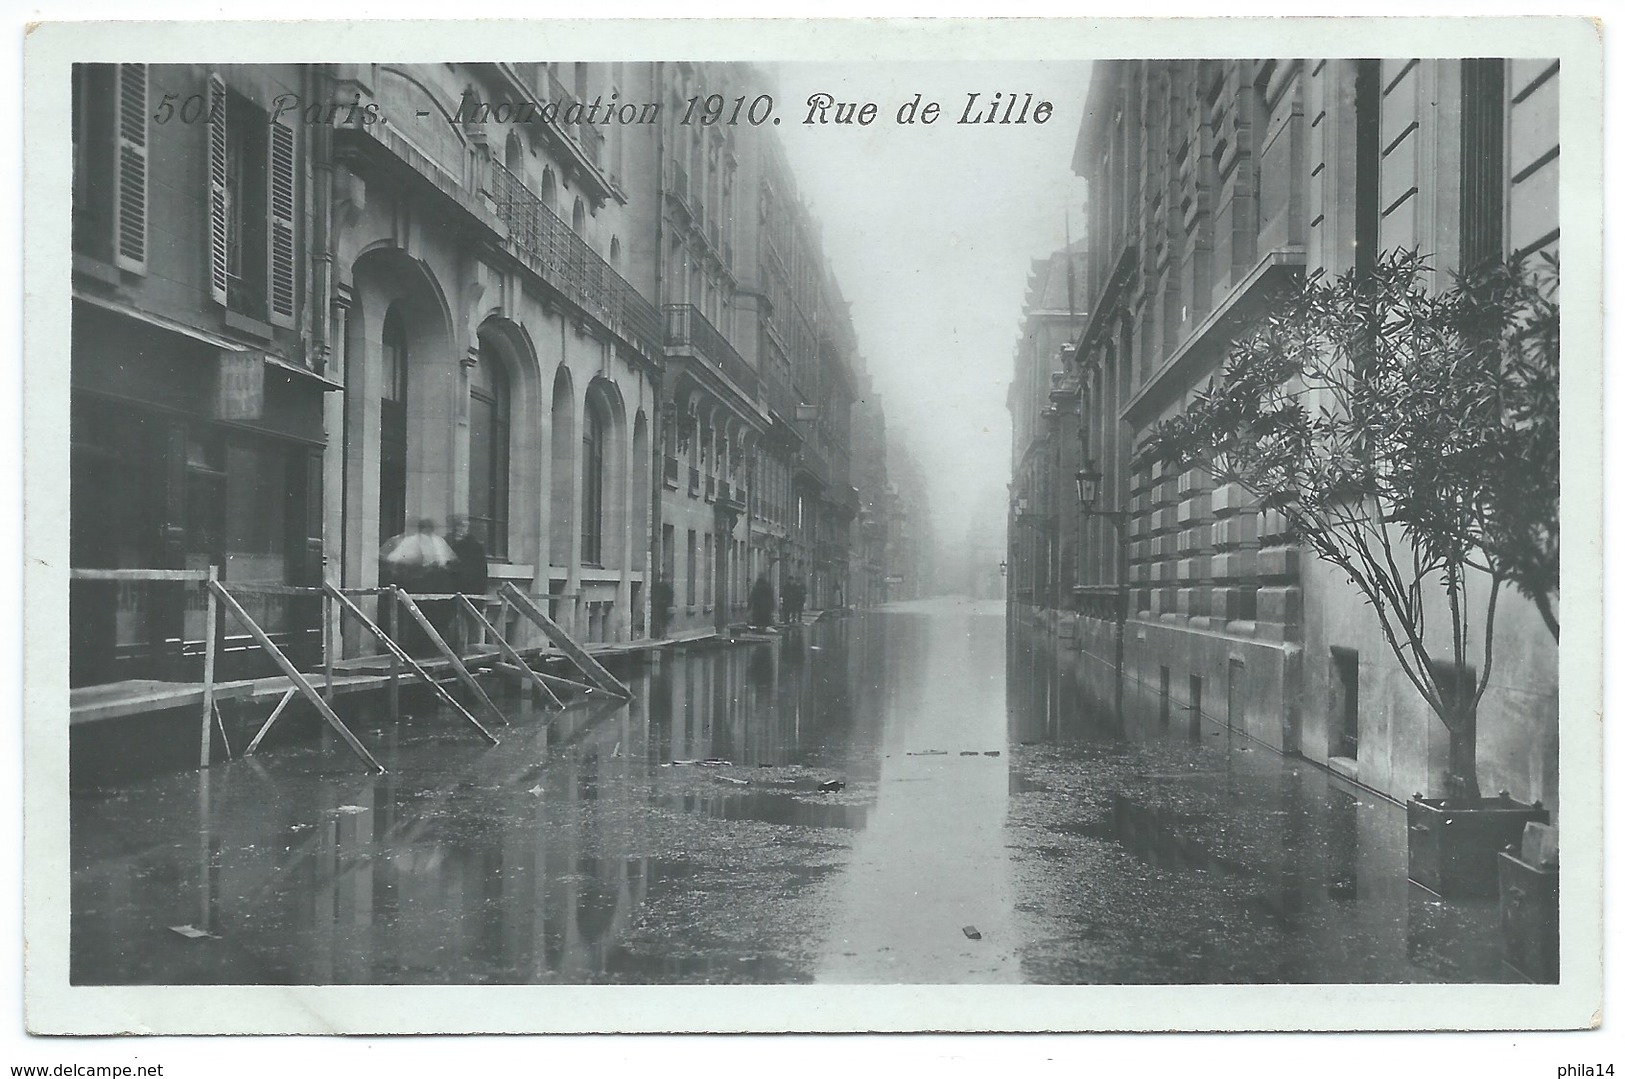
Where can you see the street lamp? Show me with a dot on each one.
(1088, 479)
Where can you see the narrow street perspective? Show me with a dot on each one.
(590, 524)
(985, 825)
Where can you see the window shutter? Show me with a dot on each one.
(130, 200)
(218, 261)
(281, 187)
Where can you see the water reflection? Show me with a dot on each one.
(524, 862)
(1295, 875)
(837, 805)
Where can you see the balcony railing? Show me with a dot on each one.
(687, 327)
(542, 237)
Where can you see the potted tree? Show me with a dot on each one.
(1409, 436)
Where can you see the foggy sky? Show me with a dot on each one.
(931, 232)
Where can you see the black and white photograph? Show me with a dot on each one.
(543, 527)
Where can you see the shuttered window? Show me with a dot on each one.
(95, 159)
(280, 154)
(253, 203)
(1483, 160)
(218, 239)
(130, 204)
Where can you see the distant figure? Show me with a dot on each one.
(470, 572)
(471, 575)
(761, 603)
(795, 599)
(661, 601)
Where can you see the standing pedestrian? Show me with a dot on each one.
(795, 594)
(470, 575)
(661, 601)
(761, 603)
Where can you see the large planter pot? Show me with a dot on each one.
(1528, 917)
(1453, 849)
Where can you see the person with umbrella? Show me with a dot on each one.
(420, 562)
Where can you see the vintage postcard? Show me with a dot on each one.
(1026, 525)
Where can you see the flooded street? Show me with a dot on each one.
(984, 823)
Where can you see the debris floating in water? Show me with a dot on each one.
(192, 932)
(928, 753)
(832, 786)
(990, 753)
(972, 932)
(537, 789)
(731, 779)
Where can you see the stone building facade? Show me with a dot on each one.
(1043, 404)
(1211, 184)
(614, 346)
(755, 408)
(201, 383)
(496, 363)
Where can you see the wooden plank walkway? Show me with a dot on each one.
(116, 700)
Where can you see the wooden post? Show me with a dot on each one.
(329, 639)
(394, 656)
(211, 615)
(300, 681)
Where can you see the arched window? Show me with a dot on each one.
(392, 426)
(513, 155)
(488, 422)
(550, 191)
(593, 436)
(578, 219)
(615, 253)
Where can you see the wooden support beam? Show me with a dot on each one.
(508, 651)
(275, 712)
(196, 575)
(397, 656)
(588, 666)
(299, 680)
(555, 680)
(446, 650)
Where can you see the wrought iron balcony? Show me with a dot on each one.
(564, 259)
(688, 328)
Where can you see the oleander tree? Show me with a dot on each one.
(1408, 433)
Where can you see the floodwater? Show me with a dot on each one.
(992, 824)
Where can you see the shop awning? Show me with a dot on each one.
(213, 340)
